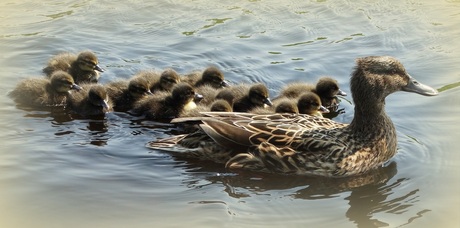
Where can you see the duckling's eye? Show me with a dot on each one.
(90, 64)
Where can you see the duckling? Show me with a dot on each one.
(308, 103)
(211, 76)
(84, 68)
(125, 93)
(92, 100)
(247, 98)
(303, 144)
(222, 102)
(327, 89)
(160, 82)
(164, 105)
(43, 92)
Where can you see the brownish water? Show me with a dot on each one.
(57, 171)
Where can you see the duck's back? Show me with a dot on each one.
(36, 92)
(62, 61)
(295, 89)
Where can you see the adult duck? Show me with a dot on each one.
(303, 144)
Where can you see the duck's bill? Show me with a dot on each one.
(75, 87)
(341, 93)
(323, 109)
(224, 84)
(268, 102)
(416, 87)
(98, 68)
(105, 105)
(198, 97)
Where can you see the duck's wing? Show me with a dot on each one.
(231, 129)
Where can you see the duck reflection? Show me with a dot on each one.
(369, 193)
(64, 124)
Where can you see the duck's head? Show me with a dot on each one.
(214, 77)
(62, 82)
(87, 61)
(221, 105)
(168, 79)
(184, 94)
(328, 87)
(286, 106)
(375, 77)
(310, 103)
(98, 96)
(139, 87)
(258, 94)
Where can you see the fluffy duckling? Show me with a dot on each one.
(211, 76)
(44, 92)
(304, 144)
(160, 82)
(125, 93)
(84, 68)
(223, 102)
(249, 97)
(164, 105)
(92, 100)
(327, 89)
(308, 103)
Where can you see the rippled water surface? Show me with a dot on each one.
(60, 171)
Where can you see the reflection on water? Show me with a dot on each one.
(369, 194)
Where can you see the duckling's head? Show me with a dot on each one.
(139, 87)
(62, 82)
(286, 106)
(184, 94)
(221, 105)
(87, 61)
(328, 87)
(310, 103)
(258, 94)
(375, 77)
(168, 79)
(226, 95)
(98, 96)
(214, 77)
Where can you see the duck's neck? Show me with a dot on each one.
(370, 118)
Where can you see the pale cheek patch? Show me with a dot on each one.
(189, 106)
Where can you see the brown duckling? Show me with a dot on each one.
(92, 100)
(308, 103)
(327, 89)
(84, 68)
(249, 97)
(164, 105)
(211, 76)
(222, 102)
(125, 93)
(160, 82)
(44, 92)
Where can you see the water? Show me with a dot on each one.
(57, 171)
